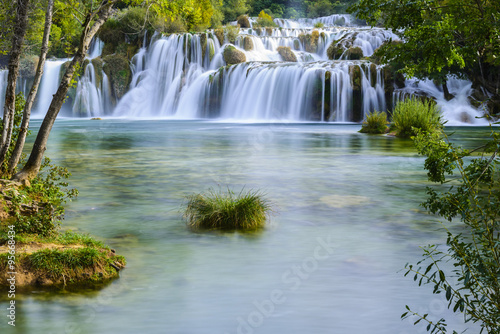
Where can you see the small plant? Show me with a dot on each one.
(375, 123)
(319, 25)
(227, 211)
(414, 113)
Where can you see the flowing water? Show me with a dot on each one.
(184, 76)
(346, 221)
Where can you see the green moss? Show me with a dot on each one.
(287, 54)
(248, 43)
(117, 69)
(233, 55)
(243, 21)
(219, 33)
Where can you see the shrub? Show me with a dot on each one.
(264, 20)
(375, 123)
(466, 272)
(38, 207)
(414, 113)
(243, 21)
(319, 25)
(231, 33)
(227, 211)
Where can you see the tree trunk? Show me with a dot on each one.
(90, 28)
(23, 131)
(10, 94)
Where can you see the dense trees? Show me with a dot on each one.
(442, 37)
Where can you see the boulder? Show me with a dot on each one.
(233, 55)
(247, 43)
(287, 54)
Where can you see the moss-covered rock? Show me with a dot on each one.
(310, 41)
(219, 33)
(248, 43)
(334, 51)
(233, 55)
(117, 69)
(354, 53)
(27, 66)
(296, 44)
(243, 21)
(287, 54)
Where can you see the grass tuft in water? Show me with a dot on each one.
(414, 113)
(227, 210)
(375, 123)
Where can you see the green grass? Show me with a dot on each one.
(227, 210)
(375, 123)
(414, 113)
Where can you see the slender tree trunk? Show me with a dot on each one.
(91, 25)
(10, 94)
(23, 131)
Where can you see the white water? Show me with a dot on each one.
(48, 86)
(173, 78)
(457, 111)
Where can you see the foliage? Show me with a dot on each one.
(233, 8)
(319, 25)
(44, 198)
(319, 8)
(441, 37)
(413, 113)
(227, 211)
(264, 20)
(195, 14)
(231, 33)
(375, 123)
(472, 286)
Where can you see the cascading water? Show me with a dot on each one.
(184, 76)
(176, 78)
(48, 86)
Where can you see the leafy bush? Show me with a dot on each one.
(227, 211)
(231, 33)
(264, 20)
(37, 208)
(472, 286)
(414, 113)
(375, 123)
(319, 25)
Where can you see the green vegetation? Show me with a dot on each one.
(471, 285)
(375, 123)
(227, 211)
(442, 37)
(264, 20)
(319, 25)
(233, 56)
(412, 114)
(292, 9)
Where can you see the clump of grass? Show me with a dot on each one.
(375, 123)
(412, 114)
(227, 210)
(319, 25)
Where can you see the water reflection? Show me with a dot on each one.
(327, 181)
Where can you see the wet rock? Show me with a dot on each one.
(233, 55)
(243, 21)
(248, 43)
(287, 54)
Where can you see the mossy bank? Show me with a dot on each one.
(61, 260)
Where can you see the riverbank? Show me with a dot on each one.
(50, 257)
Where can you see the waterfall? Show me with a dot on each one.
(48, 86)
(185, 76)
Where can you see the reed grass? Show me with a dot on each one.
(414, 113)
(375, 123)
(227, 211)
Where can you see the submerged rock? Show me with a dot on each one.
(248, 43)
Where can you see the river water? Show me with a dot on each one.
(346, 220)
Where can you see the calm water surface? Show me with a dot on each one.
(346, 221)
